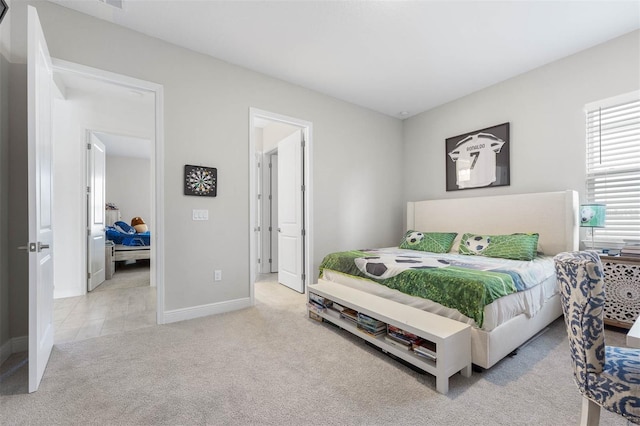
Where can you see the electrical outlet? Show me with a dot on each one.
(217, 276)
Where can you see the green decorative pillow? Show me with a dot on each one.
(514, 246)
(435, 242)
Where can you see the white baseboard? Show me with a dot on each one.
(205, 310)
(62, 294)
(11, 346)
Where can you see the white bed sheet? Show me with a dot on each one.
(498, 312)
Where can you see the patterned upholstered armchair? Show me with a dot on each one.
(606, 376)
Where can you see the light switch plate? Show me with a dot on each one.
(200, 214)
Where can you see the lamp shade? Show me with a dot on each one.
(592, 215)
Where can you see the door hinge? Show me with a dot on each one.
(89, 146)
(302, 188)
(269, 197)
(88, 232)
(259, 261)
(304, 277)
(88, 190)
(88, 275)
(258, 164)
(270, 261)
(269, 165)
(303, 233)
(269, 229)
(259, 196)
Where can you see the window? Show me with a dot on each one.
(613, 164)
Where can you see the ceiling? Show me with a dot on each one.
(117, 145)
(396, 57)
(125, 146)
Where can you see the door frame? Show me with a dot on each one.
(273, 194)
(307, 130)
(157, 166)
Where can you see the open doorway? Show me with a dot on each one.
(281, 194)
(124, 210)
(94, 108)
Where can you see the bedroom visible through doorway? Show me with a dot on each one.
(126, 205)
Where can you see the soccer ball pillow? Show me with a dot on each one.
(434, 242)
(513, 246)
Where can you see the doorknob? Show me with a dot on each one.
(279, 230)
(31, 247)
(42, 246)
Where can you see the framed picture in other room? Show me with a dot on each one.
(478, 159)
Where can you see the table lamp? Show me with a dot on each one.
(592, 216)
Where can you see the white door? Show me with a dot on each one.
(95, 212)
(273, 211)
(39, 77)
(290, 215)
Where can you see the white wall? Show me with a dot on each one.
(5, 34)
(18, 203)
(129, 186)
(546, 110)
(72, 117)
(4, 205)
(5, 142)
(357, 154)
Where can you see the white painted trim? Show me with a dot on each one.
(307, 128)
(614, 100)
(206, 310)
(157, 209)
(157, 165)
(71, 293)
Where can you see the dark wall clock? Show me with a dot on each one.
(200, 181)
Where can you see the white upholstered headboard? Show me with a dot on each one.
(554, 215)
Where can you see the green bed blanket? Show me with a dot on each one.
(467, 285)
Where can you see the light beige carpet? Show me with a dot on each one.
(271, 365)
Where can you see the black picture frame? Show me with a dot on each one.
(200, 181)
(478, 159)
(4, 8)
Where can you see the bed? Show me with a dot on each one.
(508, 318)
(129, 244)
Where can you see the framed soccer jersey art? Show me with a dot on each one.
(478, 159)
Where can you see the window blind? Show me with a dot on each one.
(613, 164)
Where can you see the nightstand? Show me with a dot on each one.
(622, 288)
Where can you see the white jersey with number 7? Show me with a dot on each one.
(475, 158)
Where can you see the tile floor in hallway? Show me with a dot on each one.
(125, 302)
